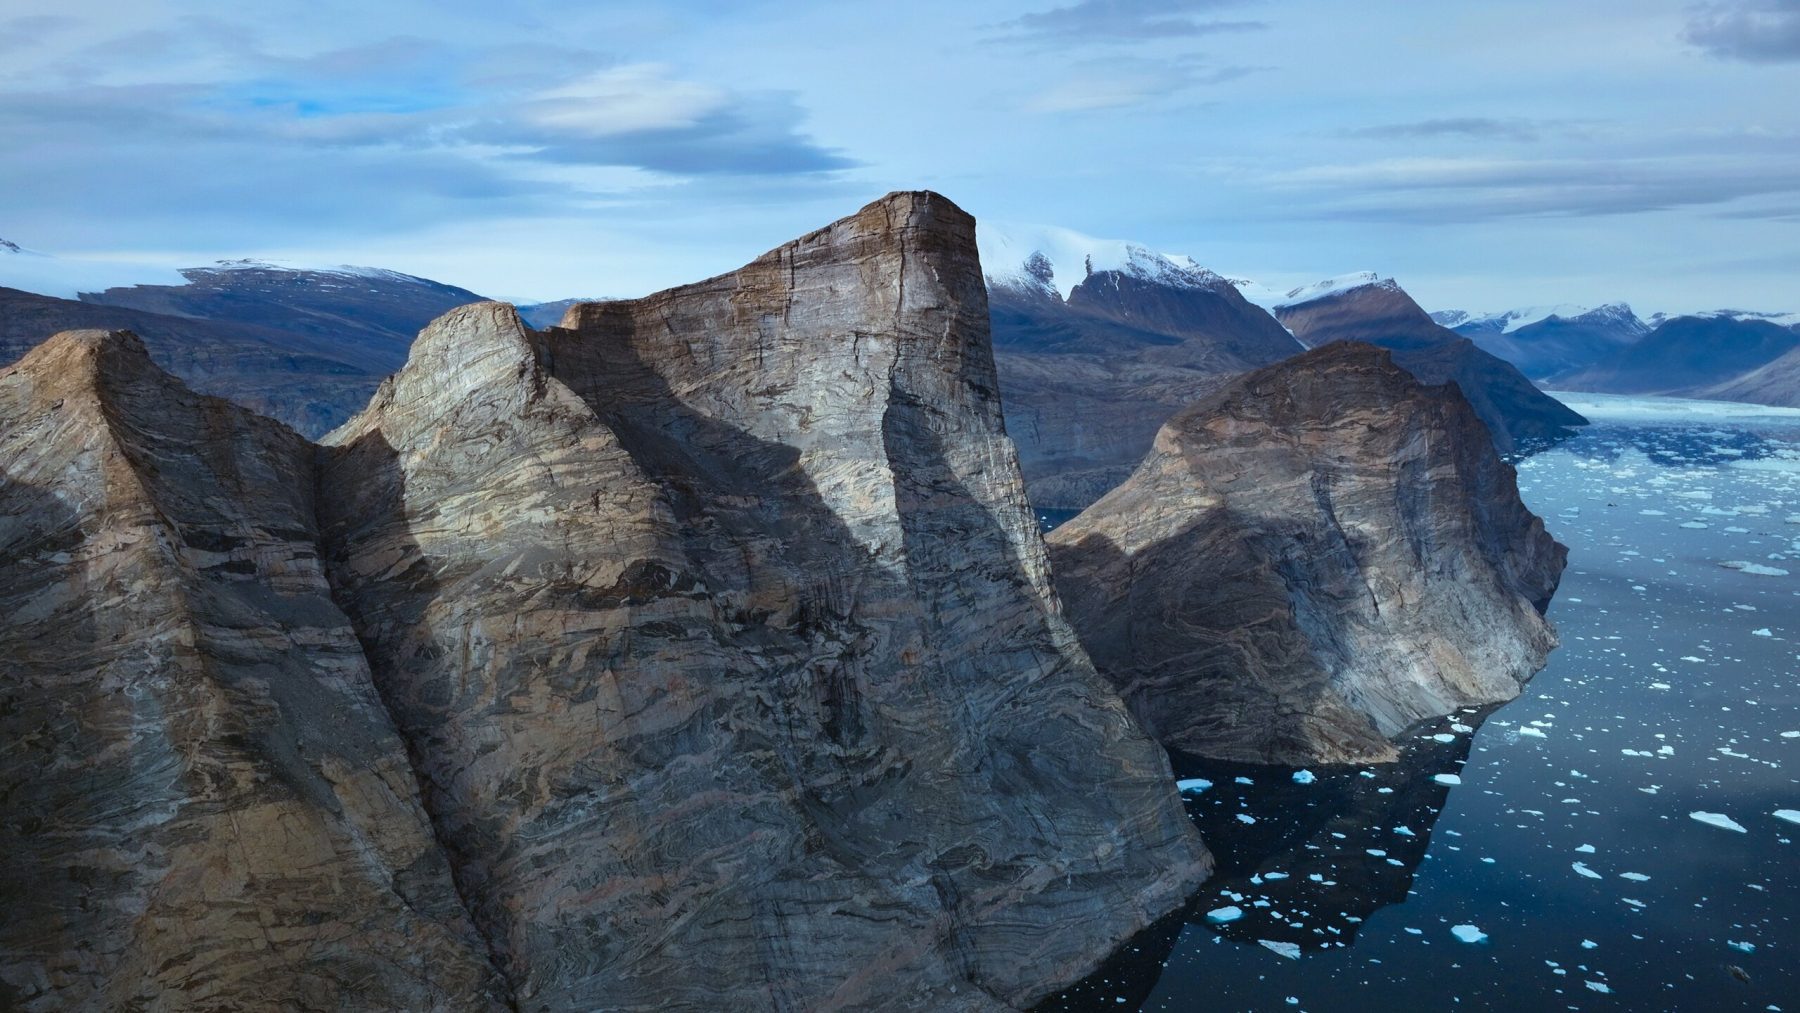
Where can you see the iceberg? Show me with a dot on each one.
(1719, 820)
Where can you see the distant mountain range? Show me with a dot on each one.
(1098, 342)
(1731, 355)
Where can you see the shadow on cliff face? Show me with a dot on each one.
(1220, 653)
(1305, 855)
(59, 874)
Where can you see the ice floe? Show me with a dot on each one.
(1719, 820)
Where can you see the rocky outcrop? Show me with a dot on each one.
(206, 806)
(1520, 418)
(720, 631)
(1310, 560)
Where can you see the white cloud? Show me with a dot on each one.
(626, 99)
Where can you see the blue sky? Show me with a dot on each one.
(1487, 154)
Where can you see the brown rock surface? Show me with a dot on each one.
(205, 806)
(719, 627)
(1310, 560)
(1519, 417)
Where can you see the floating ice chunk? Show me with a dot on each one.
(1288, 950)
(1764, 632)
(1586, 849)
(1654, 513)
(1192, 784)
(1694, 525)
(1790, 815)
(1597, 986)
(1740, 946)
(1589, 944)
(1244, 780)
(1719, 820)
(1536, 733)
(1635, 877)
(1223, 915)
(1275, 875)
(1404, 831)
(1449, 779)
(1468, 933)
(1583, 870)
(1756, 569)
(1659, 685)
(1462, 729)
(1443, 737)
(1246, 818)
(1304, 777)
(1790, 735)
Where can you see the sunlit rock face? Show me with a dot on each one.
(719, 628)
(1309, 561)
(206, 805)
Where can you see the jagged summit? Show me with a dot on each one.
(1050, 259)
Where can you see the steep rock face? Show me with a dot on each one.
(1518, 416)
(720, 630)
(1309, 561)
(206, 806)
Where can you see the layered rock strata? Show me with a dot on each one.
(206, 806)
(1309, 561)
(719, 627)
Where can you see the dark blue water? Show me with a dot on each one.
(1567, 853)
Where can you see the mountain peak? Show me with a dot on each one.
(1050, 259)
(1269, 298)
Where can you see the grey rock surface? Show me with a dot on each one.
(1310, 560)
(205, 805)
(723, 637)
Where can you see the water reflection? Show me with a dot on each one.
(1304, 856)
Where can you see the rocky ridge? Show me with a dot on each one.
(1310, 560)
(708, 631)
(206, 803)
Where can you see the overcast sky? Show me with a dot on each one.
(1488, 154)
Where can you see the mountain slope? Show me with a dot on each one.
(1545, 341)
(369, 309)
(1375, 310)
(311, 382)
(1691, 355)
(1098, 342)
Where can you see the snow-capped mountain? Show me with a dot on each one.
(1047, 258)
(1546, 340)
(1507, 321)
(1778, 319)
(1274, 299)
